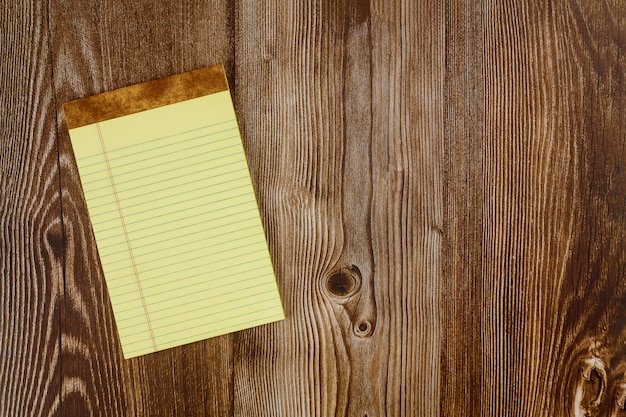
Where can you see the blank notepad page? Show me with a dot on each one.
(176, 222)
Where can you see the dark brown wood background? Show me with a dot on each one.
(443, 186)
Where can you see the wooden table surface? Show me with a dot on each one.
(442, 184)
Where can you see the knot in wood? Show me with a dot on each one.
(592, 388)
(363, 328)
(343, 281)
(55, 240)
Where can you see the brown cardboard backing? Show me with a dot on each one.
(145, 96)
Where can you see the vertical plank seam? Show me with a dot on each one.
(60, 295)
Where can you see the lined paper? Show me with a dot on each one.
(176, 223)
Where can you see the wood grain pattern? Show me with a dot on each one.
(31, 237)
(462, 295)
(442, 186)
(544, 305)
(543, 277)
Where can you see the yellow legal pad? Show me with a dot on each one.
(173, 211)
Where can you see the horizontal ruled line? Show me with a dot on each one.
(172, 195)
(196, 267)
(185, 248)
(177, 271)
(169, 161)
(152, 141)
(186, 235)
(203, 273)
(192, 259)
(207, 205)
(187, 226)
(234, 300)
(239, 289)
(206, 162)
(139, 255)
(134, 231)
(208, 209)
(177, 220)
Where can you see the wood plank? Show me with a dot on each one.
(98, 47)
(462, 250)
(597, 299)
(409, 55)
(535, 220)
(290, 89)
(351, 126)
(285, 96)
(31, 237)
